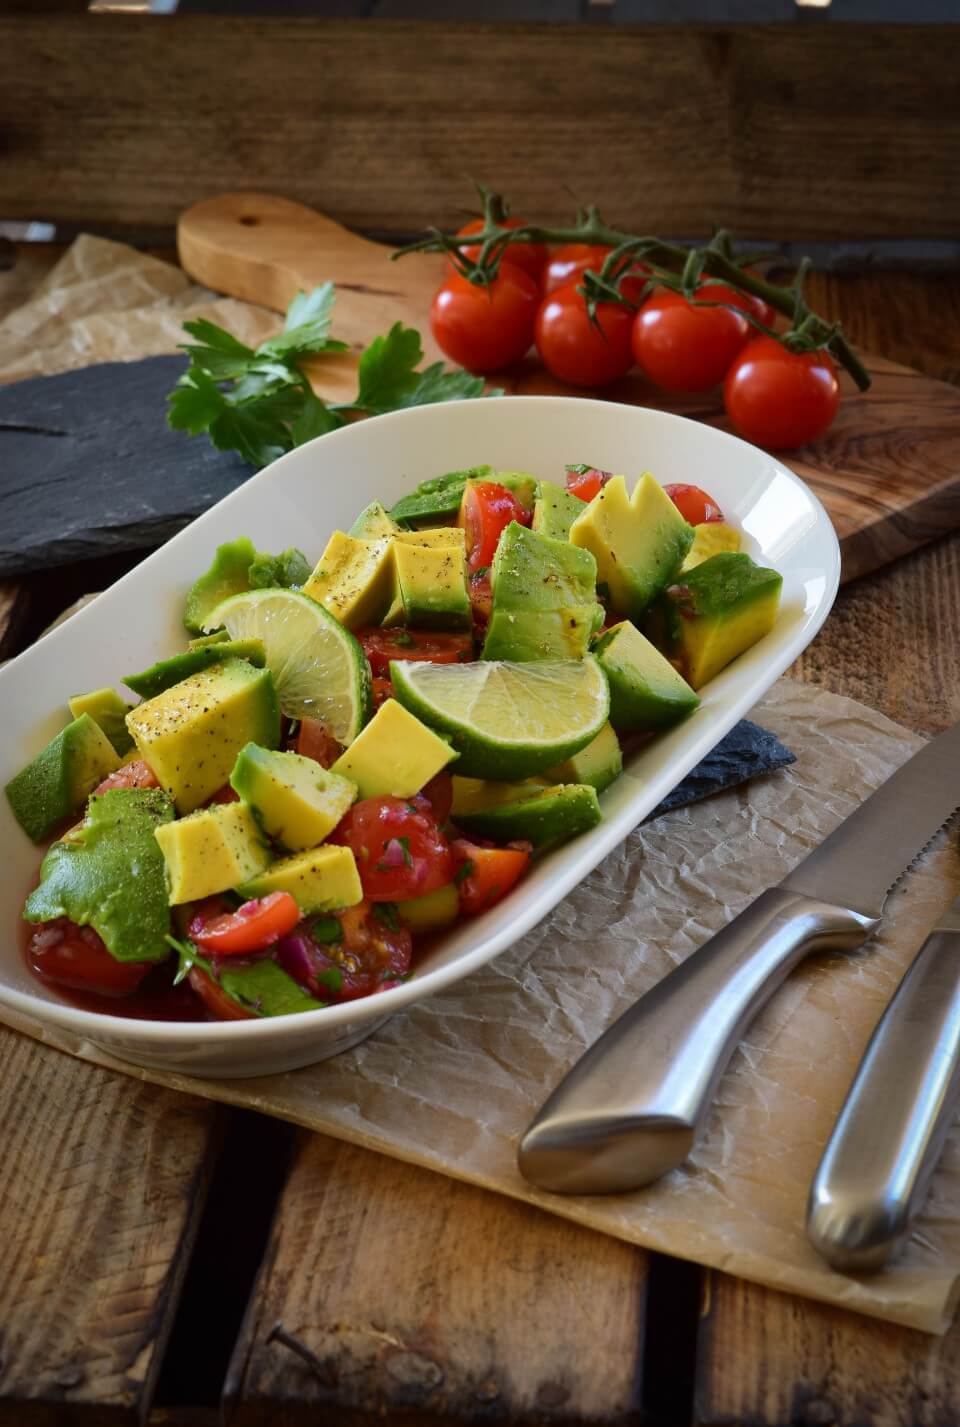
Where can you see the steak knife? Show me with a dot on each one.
(630, 1109)
(876, 1168)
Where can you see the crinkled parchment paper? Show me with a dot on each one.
(453, 1082)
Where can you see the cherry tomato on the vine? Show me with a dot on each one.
(74, 956)
(252, 927)
(531, 257)
(399, 848)
(419, 646)
(683, 347)
(780, 399)
(711, 291)
(569, 263)
(579, 351)
(485, 512)
(487, 327)
(586, 481)
(696, 507)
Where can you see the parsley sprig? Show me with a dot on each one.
(259, 401)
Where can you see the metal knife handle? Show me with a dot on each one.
(630, 1109)
(875, 1171)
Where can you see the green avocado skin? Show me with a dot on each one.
(109, 874)
(553, 816)
(226, 576)
(441, 495)
(168, 672)
(55, 783)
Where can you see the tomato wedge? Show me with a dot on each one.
(485, 512)
(130, 775)
(252, 927)
(313, 741)
(696, 507)
(75, 956)
(221, 1006)
(399, 848)
(485, 874)
(586, 481)
(353, 953)
(382, 645)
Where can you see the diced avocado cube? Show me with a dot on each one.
(544, 598)
(108, 874)
(714, 537)
(107, 709)
(354, 579)
(431, 587)
(226, 576)
(545, 817)
(716, 612)
(211, 851)
(293, 798)
(321, 880)
(639, 541)
(598, 764)
(167, 672)
(437, 536)
(555, 510)
(394, 755)
(286, 571)
(472, 795)
(61, 776)
(190, 734)
(646, 692)
(374, 523)
(430, 913)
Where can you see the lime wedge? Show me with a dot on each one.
(507, 720)
(320, 670)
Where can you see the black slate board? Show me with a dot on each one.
(89, 467)
(745, 752)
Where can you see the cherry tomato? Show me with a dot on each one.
(569, 263)
(683, 347)
(221, 1006)
(382, 689)
(130, 775)
(486, 510)
(485, 874)
(586, 481)
(696, 507)
(780, 399)
(252, 927)
(485, 328)
(711, 291)
(399, 848)
(577, 350)
(531, 257)
(439, 794)
(226, 794)
(480, 590)
(418, 646)
(370, 952)
(75, 956)
(313, 741)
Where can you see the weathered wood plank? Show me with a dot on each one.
(427, 1299)
(101, 1181)
(90, 133)
(772, 1360)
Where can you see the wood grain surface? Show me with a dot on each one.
(676, 128)
(888, 470)
(388, 1291)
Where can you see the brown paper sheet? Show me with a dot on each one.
(452, 1083)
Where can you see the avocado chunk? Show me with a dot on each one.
(431, 587)
(286, 571)
(108, 874)
(544, 598)
(293, 798)
(56, 782)
(543, 817)
(432, 912)
(321, 880)
(354, 579)
(598, 764)
(441, 496)
(555, 510)
(109, 711)
(639, 541)
(226, 576)
(211, 851)
(202, 641)
(261, 987)
(374, 523)
(190, 734)
(436, 537)
(394, 755)
(718, 610)
(713, 537)
(168, 672)
(646, 692)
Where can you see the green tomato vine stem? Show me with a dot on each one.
(670, 265)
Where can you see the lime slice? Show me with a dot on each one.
(320, 670)
(507, 720)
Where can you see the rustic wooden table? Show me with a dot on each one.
(164, 1259)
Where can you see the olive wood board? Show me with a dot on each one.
(888, 470)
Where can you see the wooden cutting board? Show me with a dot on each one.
(888, 470)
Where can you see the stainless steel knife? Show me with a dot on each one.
(876, 1169)
(631, 1107)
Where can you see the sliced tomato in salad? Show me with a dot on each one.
(399, 848)
(486, 509)
(136, 774)
(480, 590)
(418, 645)
(313, 741)
(696, 507)
(349, 954)
(485, 874)
(254, 926)
(74, 956)
(586, 481)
